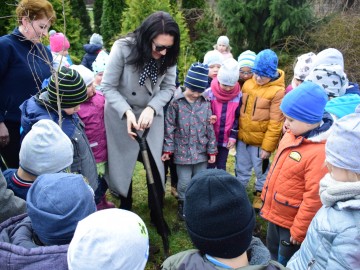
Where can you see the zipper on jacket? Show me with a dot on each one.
(246, 102)
(310, 264)
(254, 106)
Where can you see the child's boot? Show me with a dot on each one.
(180, 212)
(257, 202)
(104, 204)
(174, 192)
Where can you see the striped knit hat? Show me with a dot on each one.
(246, 59)
(197, 77)
(72, 89)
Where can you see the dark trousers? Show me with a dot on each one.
(221, 159)
(126, 202)
(278, 243)
(170, 165)
(10, 153)
(101, 190)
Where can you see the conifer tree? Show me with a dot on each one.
(259, 24)
(97, 10)
(7, 18)
(78, 9)
(208, 30)
(188, 4)
(111, 20)
(72, 29)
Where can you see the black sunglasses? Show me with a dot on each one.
(160, 48)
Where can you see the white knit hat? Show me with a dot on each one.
(229, 72)
(213, 57)
(328, 72)
(304, 65)
(223, 40)
(100, 62)
(45, 149)
(85, 73)
(109, 239)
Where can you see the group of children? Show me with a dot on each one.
(226, 104)
(259, 118)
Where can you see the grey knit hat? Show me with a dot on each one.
(96, 39)
(343, 145)
(45, 149)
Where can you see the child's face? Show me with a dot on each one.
(64, 52)
(213, 70)
(297, 82)
(70, 111)
(191, 96)
(245, 73)
(342, 175)
(221, 48)
(296, 127)
(226, 87)
(90, 91)
(261, 80)
(98, 78)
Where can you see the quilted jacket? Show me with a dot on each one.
(261, 119)
(291, 190)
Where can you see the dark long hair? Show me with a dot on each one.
(157, 23)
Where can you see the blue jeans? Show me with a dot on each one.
(248, 157)
(185, 173)
(278, 243)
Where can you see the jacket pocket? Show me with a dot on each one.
(244, 104)
(181, 145)
(261, 110)
(287, 201)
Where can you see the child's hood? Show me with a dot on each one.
(322, 132)
(92, 48)
(279, 82)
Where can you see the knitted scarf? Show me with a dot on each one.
(222, 95)
(150, 70)
(332, 191)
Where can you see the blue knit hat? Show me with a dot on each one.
(197, 77)
(246, 59)
(266, 63)
(56, 203)
(305, 103)
(218, 214)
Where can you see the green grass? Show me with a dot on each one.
(178, 239)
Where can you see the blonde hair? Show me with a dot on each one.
(349, 175)
(35, 10)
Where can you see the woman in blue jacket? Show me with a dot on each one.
(25, 62)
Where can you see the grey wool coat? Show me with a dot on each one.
(123, 92)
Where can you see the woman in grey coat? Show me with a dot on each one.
(138, 81)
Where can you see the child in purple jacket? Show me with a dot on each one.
(225, 96)
(92, 114)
